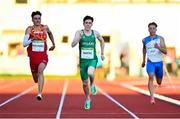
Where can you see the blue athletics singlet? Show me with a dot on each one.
(153, 54)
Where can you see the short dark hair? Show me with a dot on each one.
(35, 13)
(152, 23)
(88, 17)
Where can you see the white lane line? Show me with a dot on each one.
(18, 95)
(145, 92)
(62, 100)
(116, 102)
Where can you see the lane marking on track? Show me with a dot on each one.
(117, 103)
(18, 95)
(145, 92)
(62, 100)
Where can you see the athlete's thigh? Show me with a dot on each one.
(33, 65)
(159, 70)
(92, 66)
(41, 67)
(83, 70)
(150, 68)
(91, 70)
(42, 63)
(85, 82)
(93, 63)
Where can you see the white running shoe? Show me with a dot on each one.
(39, 97)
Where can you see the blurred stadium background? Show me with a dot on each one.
(122, 23)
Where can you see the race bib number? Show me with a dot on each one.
(152, 52)
(87, 53)
(38, 46)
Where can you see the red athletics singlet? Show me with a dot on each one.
(37, 50)
(38, 47)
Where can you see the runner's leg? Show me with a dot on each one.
(41, 68)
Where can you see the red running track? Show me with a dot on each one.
(65, 99)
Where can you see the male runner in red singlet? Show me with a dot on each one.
(35, 38)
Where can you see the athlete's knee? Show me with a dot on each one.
(41, 68)
(40, 72)
(35, 77)
(85, 83)
(159, 81)
(90, 73)
(151, 76)
(35, 80)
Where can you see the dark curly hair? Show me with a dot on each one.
(152, 23)
(35, 13)
(88, 17)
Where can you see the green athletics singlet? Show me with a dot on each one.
(87, 47)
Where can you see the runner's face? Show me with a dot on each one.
(36, 20)
(88, 24)
(152, 30)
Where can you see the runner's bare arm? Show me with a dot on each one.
(162, 46)
(102, 44)
(28, 30)
(77, 38)
(144, 53)
(51, 37)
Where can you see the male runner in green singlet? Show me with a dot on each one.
(87, 56)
